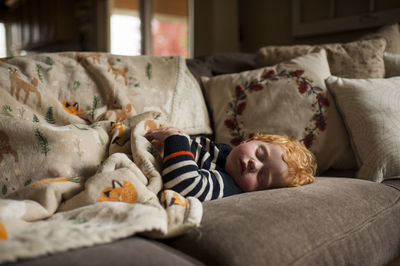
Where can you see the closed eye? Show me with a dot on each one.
(261, 153)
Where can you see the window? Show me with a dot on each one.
(125, 34)
(125, 29)
(3, 47)
(169, 28)
(158, 27)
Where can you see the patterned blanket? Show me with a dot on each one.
(75, 169)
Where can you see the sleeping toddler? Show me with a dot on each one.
(207, 170)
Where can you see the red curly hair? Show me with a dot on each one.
(301, 162)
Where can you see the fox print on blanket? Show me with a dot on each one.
(125, 192)
(72, 108)
(117, 130)
(17, 83)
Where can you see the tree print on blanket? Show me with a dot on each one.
(35, 119)
(39, 70)
(50, 62)
(44, 144)
(149, 70)
(238, 105)
(95, 105)
(50, 116)
(76, 85)
(44, 69)
(6, 110)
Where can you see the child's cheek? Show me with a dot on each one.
(248, 184)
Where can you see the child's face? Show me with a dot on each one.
(256, 165)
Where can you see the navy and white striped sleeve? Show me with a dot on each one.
(181, 171)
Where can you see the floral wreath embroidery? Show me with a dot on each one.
(238, 104)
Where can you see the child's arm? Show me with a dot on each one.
(181, 172)
(158, 136)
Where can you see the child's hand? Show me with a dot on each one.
(158, 136)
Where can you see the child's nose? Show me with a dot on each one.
(252, 165)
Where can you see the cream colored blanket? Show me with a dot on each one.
(75, 169)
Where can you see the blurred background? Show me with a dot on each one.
(185, 27)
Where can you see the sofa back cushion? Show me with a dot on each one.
(392, 64)
(220, 63)
(391, 33)
(358, 59)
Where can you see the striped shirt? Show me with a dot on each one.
(197, 169)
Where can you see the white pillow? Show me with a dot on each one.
(371, 111)
(392, 64)
(289, 98)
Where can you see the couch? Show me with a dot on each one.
(347, 114)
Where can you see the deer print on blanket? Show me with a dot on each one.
(117, 72)
(119, 115)
(5, 147)
(16, 84)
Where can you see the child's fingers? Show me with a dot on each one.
(162, 133)
(158, 145)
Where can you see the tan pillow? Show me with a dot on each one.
(392, 64)
(371, 112)
(360, 59)
(391, 34)
(289, 98)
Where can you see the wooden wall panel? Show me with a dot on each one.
(56, 25)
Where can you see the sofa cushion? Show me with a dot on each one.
(392, 64)
(223, 63)
(359, 59)
(334, 221)
(371, 111)
(289, 98)
(390, 33)
(130, 251)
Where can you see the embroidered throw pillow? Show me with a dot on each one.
(289, 98)
(371, 112)
(392, 64)
(359, 59)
